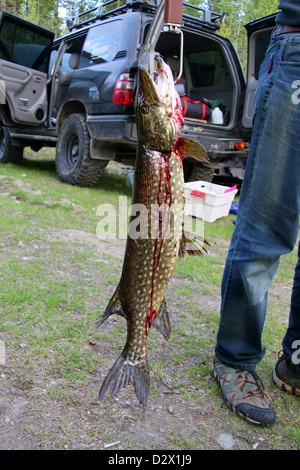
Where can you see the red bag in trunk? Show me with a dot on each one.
(195, 109)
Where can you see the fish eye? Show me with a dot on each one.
(144, 109)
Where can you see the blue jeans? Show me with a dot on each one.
(267, 224)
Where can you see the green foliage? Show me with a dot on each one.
(48, 13)
(239, 13)
(52, 13)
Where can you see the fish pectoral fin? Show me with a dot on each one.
(114, 306)
(192, 148)
(192, 244)
(162, 321)
(128, 371)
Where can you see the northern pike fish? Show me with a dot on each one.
(150, 259)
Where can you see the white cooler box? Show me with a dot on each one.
(208, 201)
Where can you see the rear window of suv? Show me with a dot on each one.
(103, 44)
(207, 68)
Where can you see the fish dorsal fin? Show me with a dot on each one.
(191, 148)
(162, 321)
(114, 306)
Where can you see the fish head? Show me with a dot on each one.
(159, 112)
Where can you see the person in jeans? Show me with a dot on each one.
(267, 226)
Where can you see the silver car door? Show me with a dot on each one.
(24, 57)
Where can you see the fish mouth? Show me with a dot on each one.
(148, 88)
(158, 88)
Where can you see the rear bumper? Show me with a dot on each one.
(118, 129)
(121, 130)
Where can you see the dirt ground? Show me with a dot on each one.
(27, 416)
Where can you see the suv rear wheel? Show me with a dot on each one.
(73, 162)
(8, 153)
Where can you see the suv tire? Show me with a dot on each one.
(73, 162)
(8, 153)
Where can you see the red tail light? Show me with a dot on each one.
(123, 91)
(240, 146)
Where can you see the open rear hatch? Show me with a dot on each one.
(259, 36)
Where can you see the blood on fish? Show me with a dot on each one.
(156, 174)
(164, 158)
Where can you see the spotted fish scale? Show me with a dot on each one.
(149, 260)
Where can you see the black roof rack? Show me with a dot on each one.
(195, 15)
(106, 9)
(192, 14)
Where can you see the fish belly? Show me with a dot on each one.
(150, 259)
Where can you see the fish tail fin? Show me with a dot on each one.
(126, 371)
(114, 306)
(192, 244)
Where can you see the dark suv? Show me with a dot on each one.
(77, 92)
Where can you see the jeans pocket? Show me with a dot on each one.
(290, 51)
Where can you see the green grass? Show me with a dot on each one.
(55, 281)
